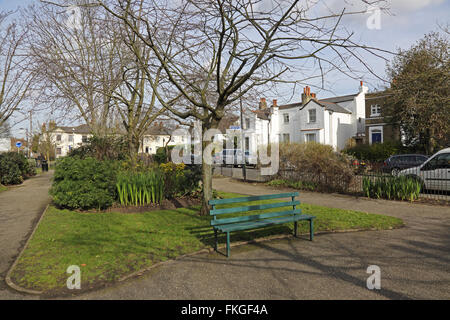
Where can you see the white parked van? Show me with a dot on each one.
(433, 173)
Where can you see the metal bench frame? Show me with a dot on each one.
(248, 222)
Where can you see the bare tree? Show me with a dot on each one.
(15, 80)
(215, 51)
(74, 51)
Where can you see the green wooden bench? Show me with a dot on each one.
(246, 222)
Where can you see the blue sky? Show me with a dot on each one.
(408, 21)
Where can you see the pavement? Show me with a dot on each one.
(414, 260)
(20, 209)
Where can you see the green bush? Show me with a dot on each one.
(313, 165)
(399, 188)
(162, 154)
(84, 183)
(179, 179)
(102, 148)
(376, 152)
(14, 168)
(293, 184)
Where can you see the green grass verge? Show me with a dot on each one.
(107, 246)
(3, 188)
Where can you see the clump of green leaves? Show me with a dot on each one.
(398, 188)
(14, 168)
(84, 183)
(140, 188)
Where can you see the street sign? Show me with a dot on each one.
(18, 144)
(235, 127)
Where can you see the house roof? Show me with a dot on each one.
(289, 106)
(262, 114)
(81, 129)
(340, 98)
(329, 106)
(334, 107)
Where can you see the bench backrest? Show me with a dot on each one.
(241, 209)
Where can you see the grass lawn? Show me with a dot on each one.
(3, 188)
(107, 246)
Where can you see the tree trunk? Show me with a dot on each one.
(206, 171)
(133, 148)
(206, 187)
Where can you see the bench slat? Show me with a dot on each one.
(253, 198)
(262, 223)
(254, 207)
(254, 217)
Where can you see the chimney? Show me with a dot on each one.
(307, 95)
(274, 103)
(262, 104)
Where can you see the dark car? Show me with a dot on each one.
(394, 164)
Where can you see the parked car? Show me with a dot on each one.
(434, 174)
(394, 164)
(234, 157)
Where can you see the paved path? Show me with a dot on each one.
(414, 261)
(20, 208)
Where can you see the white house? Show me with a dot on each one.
(5, 144)
(159, 136)
(331, 121)
(68, 138)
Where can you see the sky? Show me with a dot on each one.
(406, 22)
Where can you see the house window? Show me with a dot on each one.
(286, 137)
(286, 117)
(247, 123)
(58, 151)
(310, 137)
(70, 138)
(375, 110)
(312, 115)
(247, 143)
(84, 139)
(58, 137)
(146, 149)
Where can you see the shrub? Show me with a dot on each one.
(179, 179)
(14, 168)
(376, 152)
(140, 188)
(399, 188)
(102, 148)
(84, 183)
(315, 165)
(293, 184)
(162, 154)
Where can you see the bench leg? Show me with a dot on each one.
(311, 229)
(295, 229)
(228, 244)
(216, 241)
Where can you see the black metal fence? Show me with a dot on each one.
(426, 184)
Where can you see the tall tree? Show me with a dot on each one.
(15, 79)
(213, 52)
(420, 92)
(75, 55)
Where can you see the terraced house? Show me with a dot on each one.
(331, 121)
(377, 125)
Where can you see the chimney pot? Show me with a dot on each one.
(275, 102)
(361, 83)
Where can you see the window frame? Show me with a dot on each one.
(309, 116)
